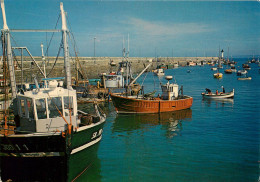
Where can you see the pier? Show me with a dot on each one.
(92, 66)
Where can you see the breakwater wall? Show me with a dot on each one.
(92, 67)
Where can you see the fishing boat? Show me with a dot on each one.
(162, 66)
(159, 72)
(191, 63)
(218, 75)
(49, 130)
(233, 69)
(245, 78)
(220, 95)
(241, 72)
(214, 69)
(170, 100)
(228, 71)
(175, 65)
(112, 63)
(246, 66)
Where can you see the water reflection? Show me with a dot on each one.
(218, 102)
(170, 121)
(85, 166)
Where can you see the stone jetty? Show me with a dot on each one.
(92, 66)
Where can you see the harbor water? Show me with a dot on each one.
(215, 140)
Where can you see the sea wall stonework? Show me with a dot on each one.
(92, 67)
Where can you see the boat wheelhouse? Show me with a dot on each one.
(44, 109)
(112, 81)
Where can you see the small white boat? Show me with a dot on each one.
(245, 78)
(159, 72)
(233, 69)
(241, 72)
(246, 66)
(214, 69)
(175, 65)
(191, 63)
(112, 63)
(218, 96)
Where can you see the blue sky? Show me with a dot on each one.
(161, 28)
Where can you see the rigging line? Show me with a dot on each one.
(55, 59)
(48, 46)
(49, 43)
(14, 56)
(71, 32)
(153, 82)
(144, 78)
(76, 48)
(13, 40)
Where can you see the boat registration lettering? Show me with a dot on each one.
(14, 147)
(97, 134)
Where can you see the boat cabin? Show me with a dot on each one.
(112, 81)
(123, 66)
(170, 91)
(39, 108)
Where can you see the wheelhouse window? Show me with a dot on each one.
(54, 104)
(68, 105)
(41, 108)
(30, 107)
(22, 107)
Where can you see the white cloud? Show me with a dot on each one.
(159, 28)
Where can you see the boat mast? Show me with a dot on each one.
(65, 48)
(7, 47)
(44, 69)
(220, 59)
(127, 63)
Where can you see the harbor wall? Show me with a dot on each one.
(92, 67)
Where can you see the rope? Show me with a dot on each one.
(72, 38)
(55, 59)
(14, 56)
(59, 110)
(153, 82)
(81, 173)
(48, 46)
(144, 78)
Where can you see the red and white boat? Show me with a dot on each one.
(170, 100)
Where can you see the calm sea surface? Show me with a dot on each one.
(212, 141)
